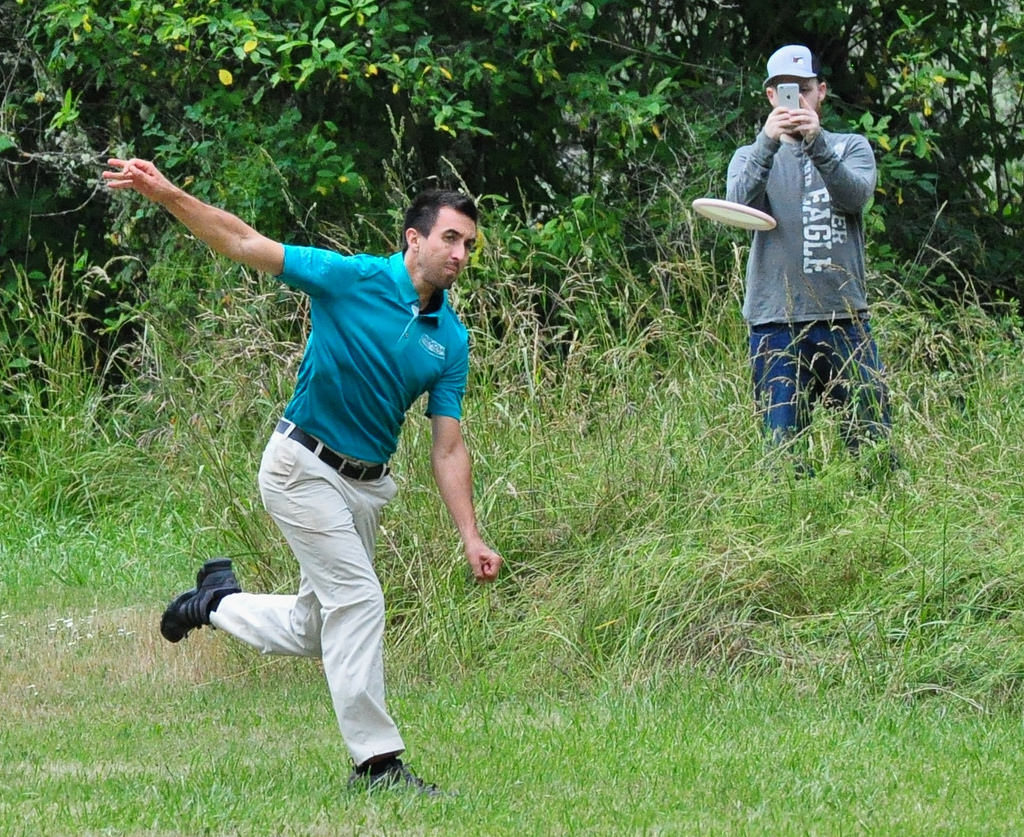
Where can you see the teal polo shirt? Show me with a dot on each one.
(371, 352)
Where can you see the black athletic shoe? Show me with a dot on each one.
(388, 775)
(192, 608)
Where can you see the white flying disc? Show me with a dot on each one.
(734, 214)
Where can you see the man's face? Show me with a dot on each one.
(439, 257)
(812, 91)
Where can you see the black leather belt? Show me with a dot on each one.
(345, 467)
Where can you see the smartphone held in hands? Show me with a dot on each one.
(788, 95)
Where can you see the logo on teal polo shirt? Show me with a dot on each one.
(432, 346)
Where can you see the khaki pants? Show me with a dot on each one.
(331, 523)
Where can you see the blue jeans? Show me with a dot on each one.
(796, 365)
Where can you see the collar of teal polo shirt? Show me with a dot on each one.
(408, 295)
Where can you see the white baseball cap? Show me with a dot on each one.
(792, 60)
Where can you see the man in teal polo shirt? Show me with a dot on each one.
(383, 333)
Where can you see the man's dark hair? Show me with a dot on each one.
(422, 215)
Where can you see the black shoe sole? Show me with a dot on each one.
(191, 609)
(171, 627)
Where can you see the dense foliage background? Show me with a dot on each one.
(320, 116)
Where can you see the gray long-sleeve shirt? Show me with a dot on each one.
(811, 266)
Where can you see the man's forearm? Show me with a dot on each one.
(221, 231)
(454, 479)
(850, 179)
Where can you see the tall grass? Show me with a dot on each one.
(618, 466)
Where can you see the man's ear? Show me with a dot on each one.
(412, 237)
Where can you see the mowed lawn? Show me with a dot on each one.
(108, 729)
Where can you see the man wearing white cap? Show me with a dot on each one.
(805, 301)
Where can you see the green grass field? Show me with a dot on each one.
(686, 638)
(108, 730)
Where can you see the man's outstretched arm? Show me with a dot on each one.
(221, 231)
